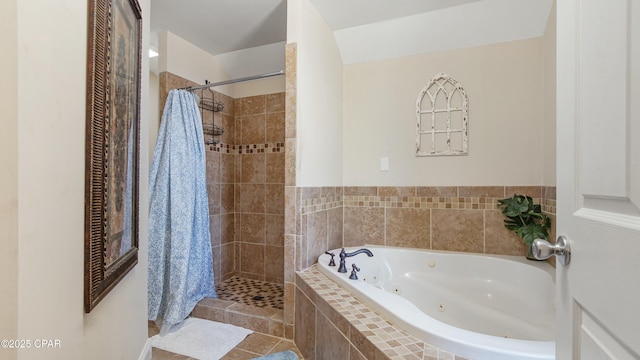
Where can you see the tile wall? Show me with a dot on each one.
(245, 182)
(221, 184)
(291, 205)
(464, 218)
(259, 187)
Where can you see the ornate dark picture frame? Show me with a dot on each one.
(114, 61)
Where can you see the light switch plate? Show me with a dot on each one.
(384, 164)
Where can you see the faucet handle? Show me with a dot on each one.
(331, 262)
(354, 270)
(343, 267)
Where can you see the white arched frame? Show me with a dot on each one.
(442, 118)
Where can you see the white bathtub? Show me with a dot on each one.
(473, 305)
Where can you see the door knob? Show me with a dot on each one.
(543, 250)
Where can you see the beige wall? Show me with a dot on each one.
(43, 148)
(319, 97)
(549, 127)
(184, 59)
(313, 137)
(9, 173)
(258, 87)
(181, 58)
(504, 83)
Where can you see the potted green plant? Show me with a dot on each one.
(525, 219)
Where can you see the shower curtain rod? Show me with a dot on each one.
(227, 82)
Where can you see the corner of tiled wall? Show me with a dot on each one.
(291, 209)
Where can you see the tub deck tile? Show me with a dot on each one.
(387, 340)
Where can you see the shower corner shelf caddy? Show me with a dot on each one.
(211, 105)
(212, 129)
(217, 106)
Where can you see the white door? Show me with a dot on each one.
(598, 101)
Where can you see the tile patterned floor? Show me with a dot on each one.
(251, 292)
(254, 345)
(255, 294)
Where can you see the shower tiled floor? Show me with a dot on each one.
(251, 292)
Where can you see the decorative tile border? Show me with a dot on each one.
(388, 341)
(261, 148)
(475, 203)
(223, 148)
(549, 206)
(246, 149)
(468, 203)
(309, 206)
(320, 202)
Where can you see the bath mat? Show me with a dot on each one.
(283, 355)
(201, 339)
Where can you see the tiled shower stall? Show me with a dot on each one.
(245, 182)
(245, 185)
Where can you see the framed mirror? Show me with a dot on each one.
(112, 145)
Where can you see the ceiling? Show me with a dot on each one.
(365, 30)
(221, 26)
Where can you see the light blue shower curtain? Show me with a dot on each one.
(180, 261)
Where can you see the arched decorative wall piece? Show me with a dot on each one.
(442, 121)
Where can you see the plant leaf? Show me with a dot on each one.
(525, 218)
(514, 206)
(528, 233)
(513, 224)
